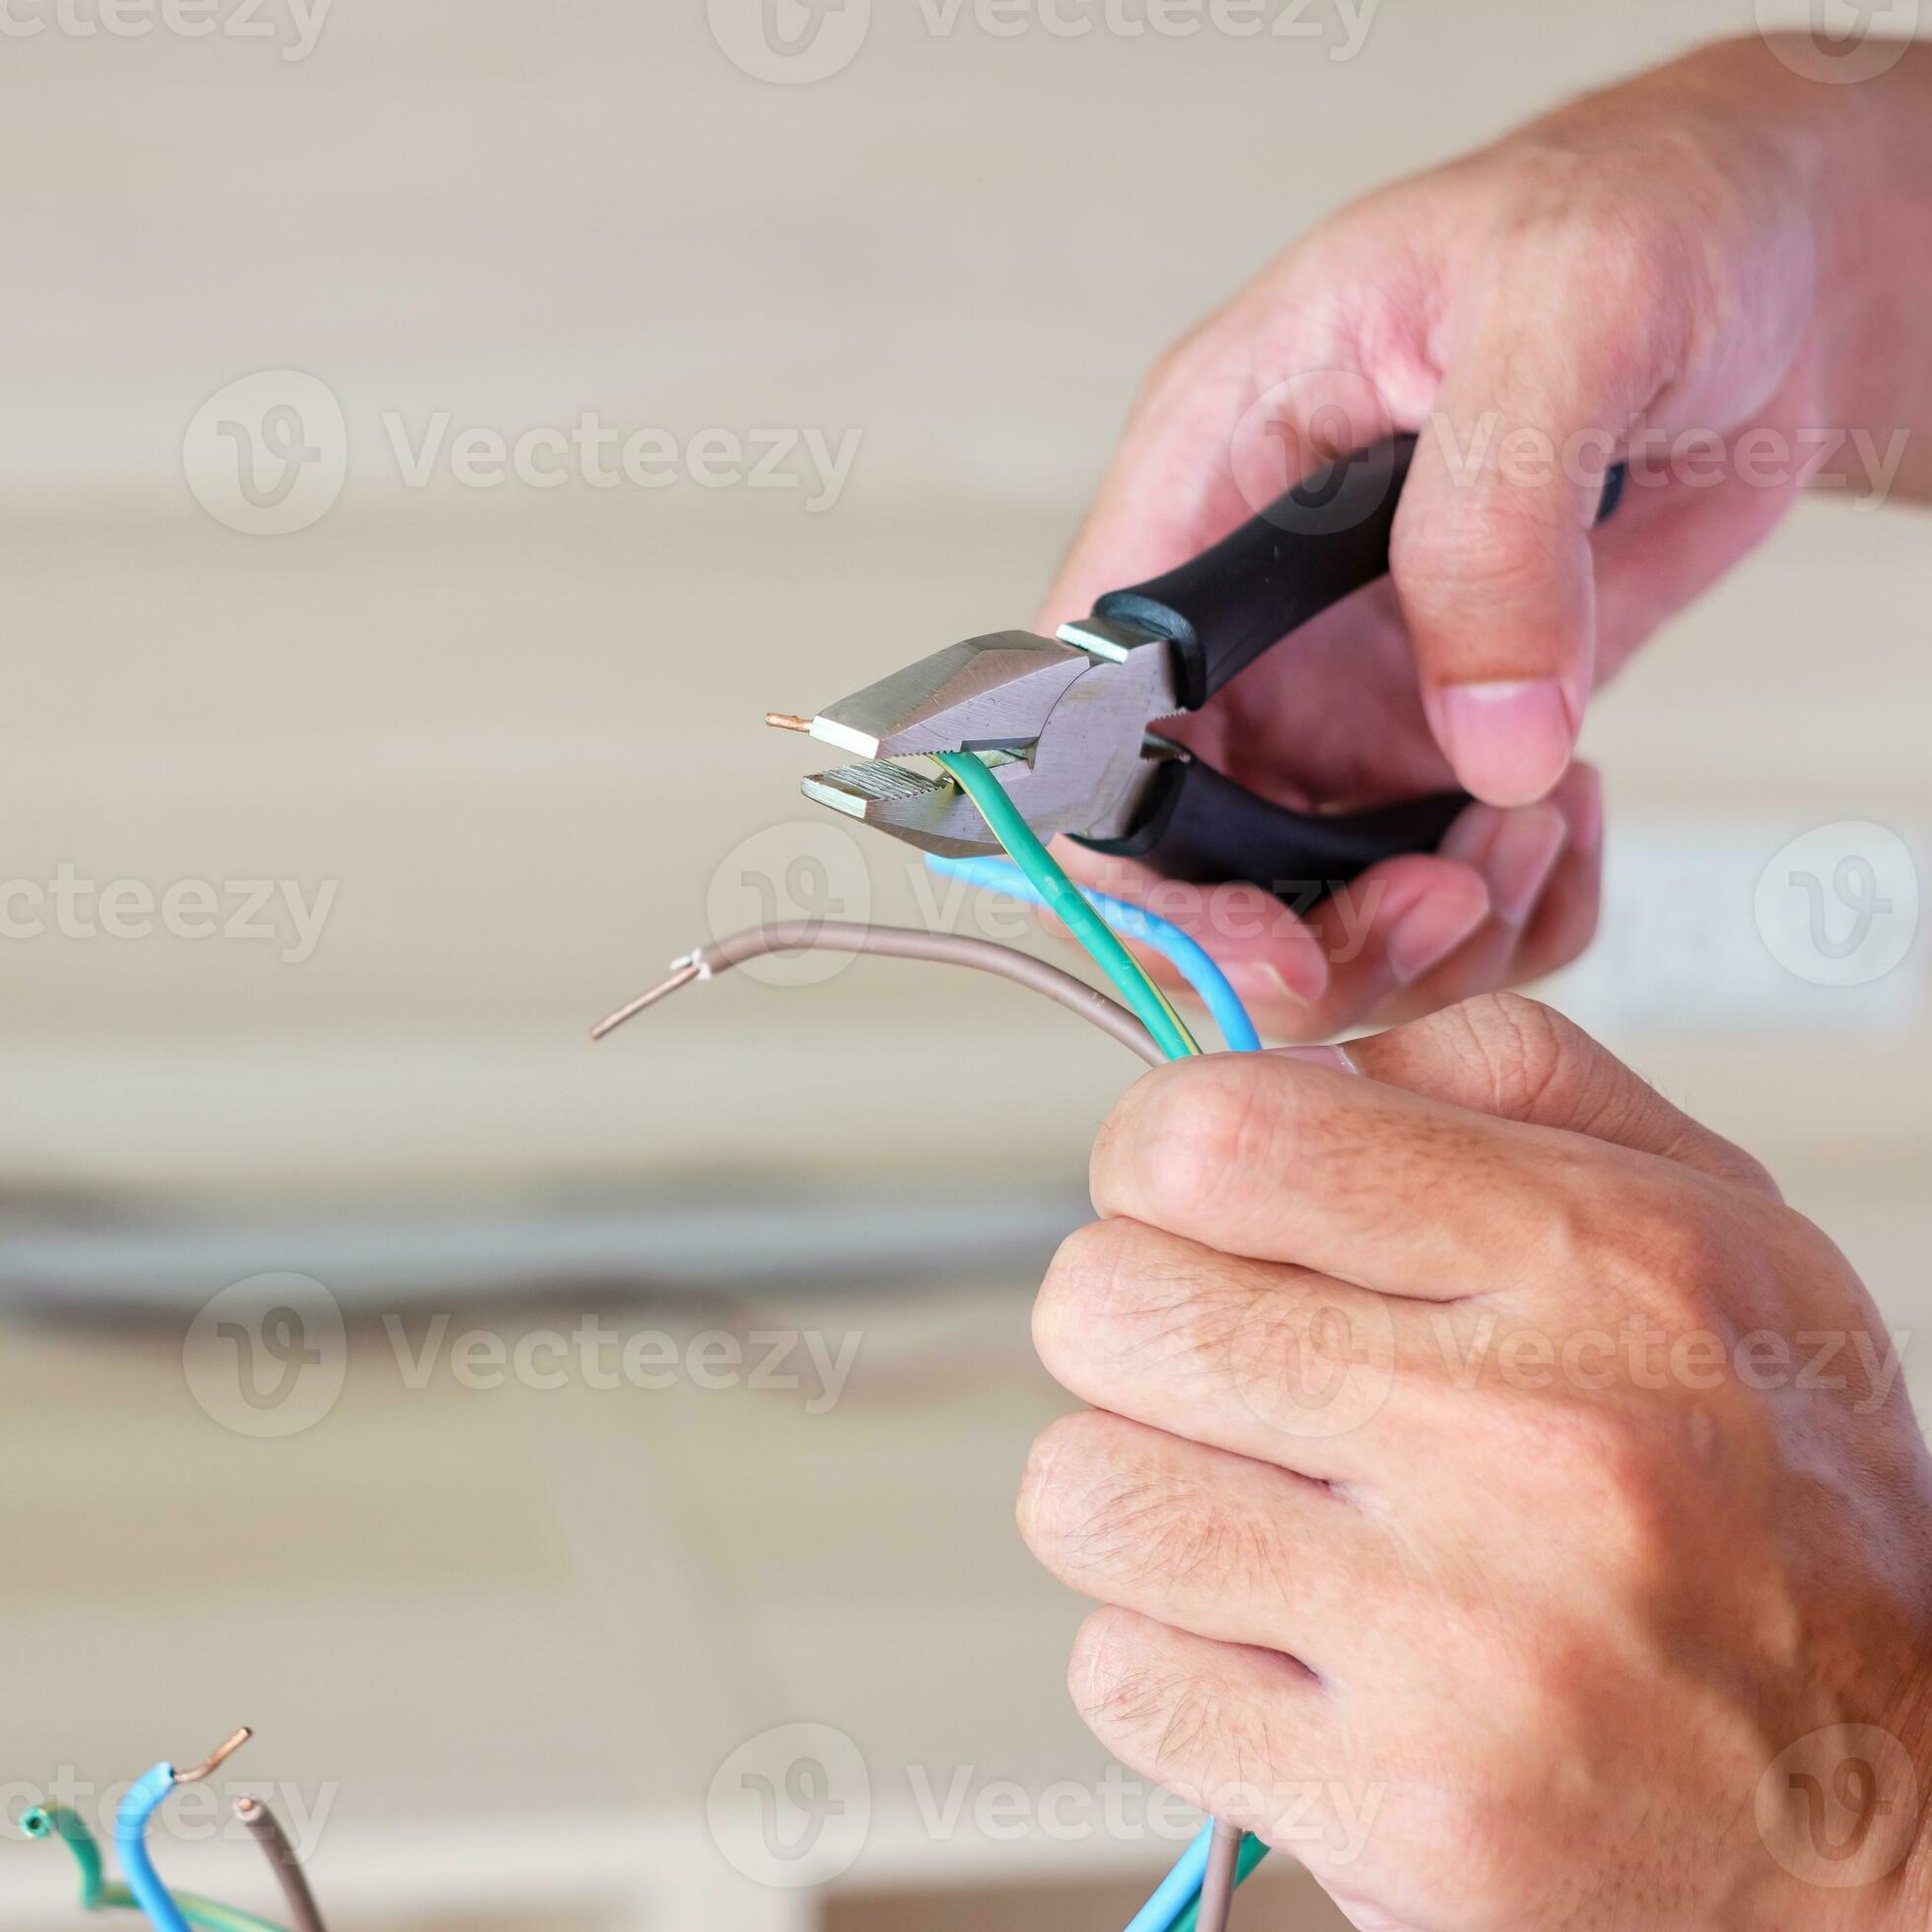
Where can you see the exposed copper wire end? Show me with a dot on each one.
(683, 976)
(215, 1759)
(787, 721)
(248, 1809)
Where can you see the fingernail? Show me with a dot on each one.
(1508, 742)
(1429, 931)
(1470, 839)
(1521, 859)
(1332, 1058)
(1261, 980)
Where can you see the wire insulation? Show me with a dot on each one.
(96, 1895)
(1063, 898)
(66, 1823)
(1218, 1881)
(143, 1799)
(1191, 961)
(1253, 1851)
(265, 1829)
(1177, 1892)
(904, 942)
(1178, 1895)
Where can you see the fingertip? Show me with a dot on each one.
(1508, 739)
(1437, 925)
(1336, 1060)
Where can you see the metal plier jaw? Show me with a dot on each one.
(1071, 714)
(1071, 718)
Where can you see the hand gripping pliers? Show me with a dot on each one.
(1070, 722)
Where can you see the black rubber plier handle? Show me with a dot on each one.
(1322, 541)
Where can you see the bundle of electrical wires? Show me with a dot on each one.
(1196, 1894)
(144, 1891)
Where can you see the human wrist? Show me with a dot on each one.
(1864, 149)
(1854, 154)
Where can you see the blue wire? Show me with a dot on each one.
(131, 1843)
(1182, 1886)
(1178, 1890)
(1132, 922)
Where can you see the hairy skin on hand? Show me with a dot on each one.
(1500, 1498)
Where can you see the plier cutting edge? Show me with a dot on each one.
(1068, 722)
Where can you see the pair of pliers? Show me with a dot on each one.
(1070, 721)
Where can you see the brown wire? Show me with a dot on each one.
(903, 942)
(266, 1831)
(1218, 1881)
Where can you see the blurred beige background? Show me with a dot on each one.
(514, 731)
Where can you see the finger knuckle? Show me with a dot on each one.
(1180, 1142)
(1146, 1703)
(1061, 1471)
(1676, 1255)
(1605, 241)
(1119, 1685)
(1490, 537)
(1524, 1050)
(1615, 1464)
(1113, 1519)
(1079, 1296)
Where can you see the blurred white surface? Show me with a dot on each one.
(518, 729)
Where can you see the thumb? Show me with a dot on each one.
(1491, 554)
(1520, 1060)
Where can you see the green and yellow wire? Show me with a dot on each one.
(1067, 902)
(98, 1894)
(1064, 898)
